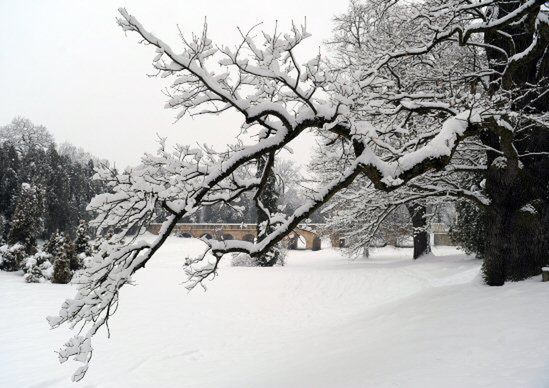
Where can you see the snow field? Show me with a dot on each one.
(321, 321)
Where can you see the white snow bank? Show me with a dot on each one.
(321, 321)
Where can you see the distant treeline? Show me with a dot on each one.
(61, 175)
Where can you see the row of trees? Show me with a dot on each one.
(44, 191)
(61, 177)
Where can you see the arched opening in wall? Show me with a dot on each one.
(249, 238)
(227, 237)
(316, 244)
(185, 235)
(206, 235)
(301, 243)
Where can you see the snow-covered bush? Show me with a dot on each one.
(242, 260)
(245, 260)
(33, 274)
(11, 257)
(38, 267)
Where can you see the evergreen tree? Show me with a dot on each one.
(27, 219)
(54, 243)
(58, 193)
(470, 228)
(69, 250)
(9, 181)
(60, 245)
(82, 241)
(34, 167)
(62, 265)
(2, 228)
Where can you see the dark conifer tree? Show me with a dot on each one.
(470, 228)
(82, 241)
(2, 228)
(62, 264)
(27, 221)
(58, 193)
(69, 251)
(54, 244)
(34, 167)
(9, 181)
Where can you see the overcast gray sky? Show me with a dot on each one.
(67, 65)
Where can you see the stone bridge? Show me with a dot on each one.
(245, 232)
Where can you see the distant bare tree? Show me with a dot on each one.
(23, 134)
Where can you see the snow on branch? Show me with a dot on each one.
(263, 81)
(445, 19)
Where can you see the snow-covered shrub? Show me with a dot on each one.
(34, 274)
(242, 260)
(245, 260)
(47, 270)
(37, 267)
(11, 257)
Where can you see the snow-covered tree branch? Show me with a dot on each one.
(431, 85)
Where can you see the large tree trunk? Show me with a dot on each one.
(517, 236)
(517, 240)
(266, 201)
(422, 244)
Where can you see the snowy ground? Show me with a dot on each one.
(321, 321)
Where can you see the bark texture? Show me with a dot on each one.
(517, 182)
(418, 213)
(266, 202)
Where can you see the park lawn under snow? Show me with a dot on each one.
(321, 321)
